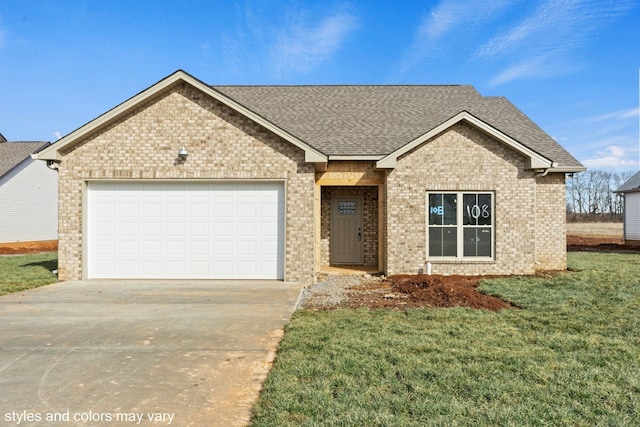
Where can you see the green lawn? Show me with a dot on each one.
(569, 357)
(21, 272)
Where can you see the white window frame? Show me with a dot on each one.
(460, 227)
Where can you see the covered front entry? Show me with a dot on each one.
(349, 226)
(350, 217)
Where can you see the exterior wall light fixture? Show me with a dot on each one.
(183, 153)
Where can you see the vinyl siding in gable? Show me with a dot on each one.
(29, 203)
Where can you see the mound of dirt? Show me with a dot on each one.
(413, 291)
(18, 248)
(588, 243)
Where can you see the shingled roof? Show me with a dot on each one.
(377, 120)
(360, 122)
(631, 185)
(15, 152)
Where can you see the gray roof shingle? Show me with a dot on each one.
(631, 185)
(14, 152)
(377, 120)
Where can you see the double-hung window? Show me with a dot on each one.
(460, 225)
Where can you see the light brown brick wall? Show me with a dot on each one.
(551, 243)
(222, 145)
(465, 159)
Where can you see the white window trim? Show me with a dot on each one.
(460, 227)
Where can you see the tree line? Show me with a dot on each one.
(590, 195)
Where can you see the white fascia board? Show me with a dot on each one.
(53, 152)
(357, 157)
(536, 161)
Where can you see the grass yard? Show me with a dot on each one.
(569, 357)
(21, 272)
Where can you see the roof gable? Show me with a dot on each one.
(14, 153)
(535, 160)
(55, 151)
(631, 185)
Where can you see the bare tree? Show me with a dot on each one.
(592, 192)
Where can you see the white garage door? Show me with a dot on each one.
(185, 230)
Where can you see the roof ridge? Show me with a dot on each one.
(342, 85)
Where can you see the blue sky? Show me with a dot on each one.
(573, 66)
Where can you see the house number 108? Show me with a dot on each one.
(475, 211)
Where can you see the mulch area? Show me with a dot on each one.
(412, 291)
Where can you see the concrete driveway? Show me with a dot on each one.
(118, 353)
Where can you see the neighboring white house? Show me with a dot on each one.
(28, 194)
(631, 193)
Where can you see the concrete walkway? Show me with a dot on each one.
(118, 353)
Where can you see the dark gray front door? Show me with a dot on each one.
(346, 230)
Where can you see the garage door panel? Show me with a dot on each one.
(176, 268)
(198, 229)
(151, 247)
(175, 229)
(176, 248)
(128, 247)
(247, 247)
(125, 229)
(222, 247)
(152, 229)
(152, 268)
(175, 210)
(245, 229)
(179, 230)
(198, 248)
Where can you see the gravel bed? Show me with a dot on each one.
(332, 290)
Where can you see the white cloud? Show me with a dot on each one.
(614, 157)
(449, 18)
(297, 40)
(617, 115)
(544, 41)
(57, 135)
(301, 46)
(524, 69)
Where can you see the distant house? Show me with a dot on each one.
(28, 194)
(631, 193)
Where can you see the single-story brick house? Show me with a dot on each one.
(188, 180)
(630, 190)
(28, 195)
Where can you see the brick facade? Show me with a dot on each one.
(529, 211)
(222, 145)
(551, 247)
(225, 145)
